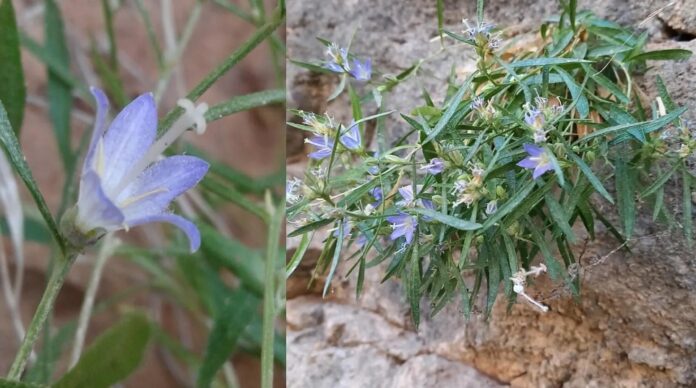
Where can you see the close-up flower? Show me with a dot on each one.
(403, 225)
(537, 160)
(124, 182)
(351, 137)
(361, 70)
(323, 145)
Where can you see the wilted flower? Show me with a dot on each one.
(538, 160)
(351, 138)
(292, 186)
(124, 181)
(477, 103)
(478, 31)
(320, 125)
(435, 166)
(323, 145)
(362, 71)
(403, 225)
(491, 207)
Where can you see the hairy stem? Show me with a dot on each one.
(55, 282)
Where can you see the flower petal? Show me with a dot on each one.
(154, 189)
(533, 150)
(94, 208)
(99, 125)
(130, 135)
(540, 170)
(186, 226)
(527, 163)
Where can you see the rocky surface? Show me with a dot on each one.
(635, 324)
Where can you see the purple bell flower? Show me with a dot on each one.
(403, 225)
(323, 145)
(362, 71)
(538, 160)
(125, 182)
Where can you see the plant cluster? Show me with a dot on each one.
(520, 152)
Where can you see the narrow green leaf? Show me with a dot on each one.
(479, 11)
(446, 219)
(12, 89)
(59, 91)
(624, 193)
(659, 182)
(453, 105)
(560, 217)
(644, 126)
(572, 10)
(298, 254)
(246, 264)
(596, 183)
(553, 266)
(239, 309)
(546, 61)
(662, 55)
(11, 145)
(610, 86)
(493, 272)
(413, 285)
(245, 102)
(440, 17)
(576, 92)
(310, 227)
(336, 257)
(112, 357)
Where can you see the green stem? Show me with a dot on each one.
(259, 36)
(55, 282)
(277, 215)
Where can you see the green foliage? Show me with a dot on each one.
(13, 91)
(112, 357)
(569, 105)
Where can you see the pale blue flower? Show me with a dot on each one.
(534, 118)
(435, 166)
(323, 145)
(124, 181)
(407, 195)
(362, 71)
(403, 225)
(351, 137)
(538, 160)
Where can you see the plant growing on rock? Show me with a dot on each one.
(523, 148)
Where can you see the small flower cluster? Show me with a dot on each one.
(481, 35)
(538, 115)
(339, 62)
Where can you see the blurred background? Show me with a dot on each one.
(130, 47)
